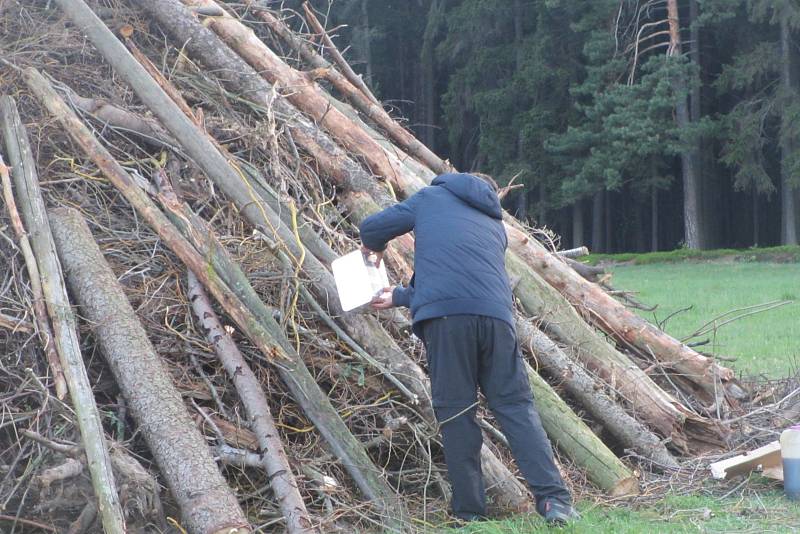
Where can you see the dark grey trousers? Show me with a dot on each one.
(467, 351)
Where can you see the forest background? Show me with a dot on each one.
(633, 125)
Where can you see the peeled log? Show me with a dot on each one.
(207, 503)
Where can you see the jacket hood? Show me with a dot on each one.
(473, 191)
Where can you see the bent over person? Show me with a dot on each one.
(462, 309)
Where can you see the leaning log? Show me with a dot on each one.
(630, 433)
(43, 329)
(273, 457)
(270, 342)
(710, 380)
(62, 319)
(577, 441)
(371, 109)
(207, 503)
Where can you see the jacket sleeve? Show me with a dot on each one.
(380, 228)
(401, 296)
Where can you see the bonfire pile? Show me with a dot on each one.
(180, 176)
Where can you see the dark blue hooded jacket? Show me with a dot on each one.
(459, 258)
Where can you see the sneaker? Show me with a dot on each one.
(557, 512)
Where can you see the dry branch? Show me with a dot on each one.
(273, 458)
(39, 308)
(207, 503)
(65, 336)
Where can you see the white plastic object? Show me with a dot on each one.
(790, 454)
(358, 281)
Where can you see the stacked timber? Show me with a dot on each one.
(240, 174)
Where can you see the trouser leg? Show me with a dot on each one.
(505, 384)
(451, 347)
(462, 440)
(532, 451)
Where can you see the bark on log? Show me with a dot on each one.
(582, 386)
(643, 397)
(371, 109)
(207, 503)
(271, 342)
(575, 439)
(201, 43)
(65, 336)
(273, 458)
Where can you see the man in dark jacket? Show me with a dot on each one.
(462, 309)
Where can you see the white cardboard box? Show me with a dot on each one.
(357, 280)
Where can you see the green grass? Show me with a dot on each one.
(765, 343)
(783, 254)
(756, 512)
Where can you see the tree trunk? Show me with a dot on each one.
(577, 224)
(62, 319)
(789, 217)
(692, 218)
(366, 42)
(654, 218)
(598, 229)
(269, 340)
(428, 68)
(756, 215)
(207, 503)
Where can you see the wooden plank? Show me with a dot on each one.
(766, 459)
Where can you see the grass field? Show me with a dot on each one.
(766, 343)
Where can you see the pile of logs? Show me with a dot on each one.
(228, 132)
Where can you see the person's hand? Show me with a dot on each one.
(369, 253)
(383, 300)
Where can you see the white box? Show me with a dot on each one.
(357, 281)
